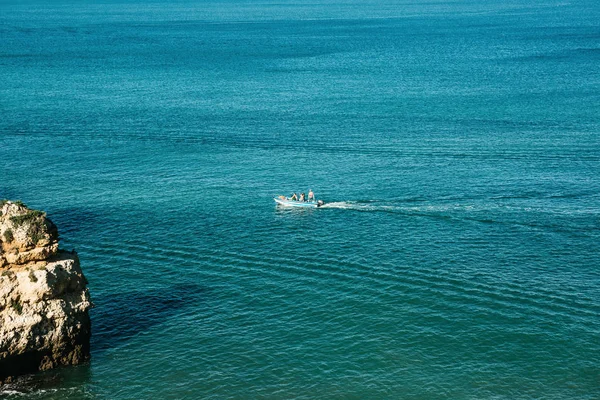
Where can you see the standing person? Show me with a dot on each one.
(311, 195)
(302, 198)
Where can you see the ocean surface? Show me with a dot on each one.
(457, 144)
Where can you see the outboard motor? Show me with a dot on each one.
(320, 203)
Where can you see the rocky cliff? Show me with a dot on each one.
(44, 301)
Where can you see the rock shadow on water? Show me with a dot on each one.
(115, 319)
(74, 220)
(120, 317)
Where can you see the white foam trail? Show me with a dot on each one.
(373, 206)
(337, 204)
(344, 205)
(348, 205)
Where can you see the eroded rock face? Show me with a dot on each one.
(44, 301)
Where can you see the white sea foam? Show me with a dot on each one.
(382, 206)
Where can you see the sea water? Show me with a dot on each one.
(456, 144)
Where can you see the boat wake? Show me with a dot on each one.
(349, 205)
(447, 210)
(438, 211)
(368, 206)
(426, 209)
(481, 212)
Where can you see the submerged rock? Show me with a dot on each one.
(44, 300)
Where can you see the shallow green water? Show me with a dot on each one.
(457, 144)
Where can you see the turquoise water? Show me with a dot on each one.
(458, 146)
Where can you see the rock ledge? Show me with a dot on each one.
(44, 301)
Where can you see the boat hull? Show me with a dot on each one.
(291, 203)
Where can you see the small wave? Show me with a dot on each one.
(9, 392)
(24, 388)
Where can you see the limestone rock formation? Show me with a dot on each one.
(44, 301)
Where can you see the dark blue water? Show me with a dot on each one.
(456, 142)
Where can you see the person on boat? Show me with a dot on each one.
(311, 195)
(302, 197)
(294, 197)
